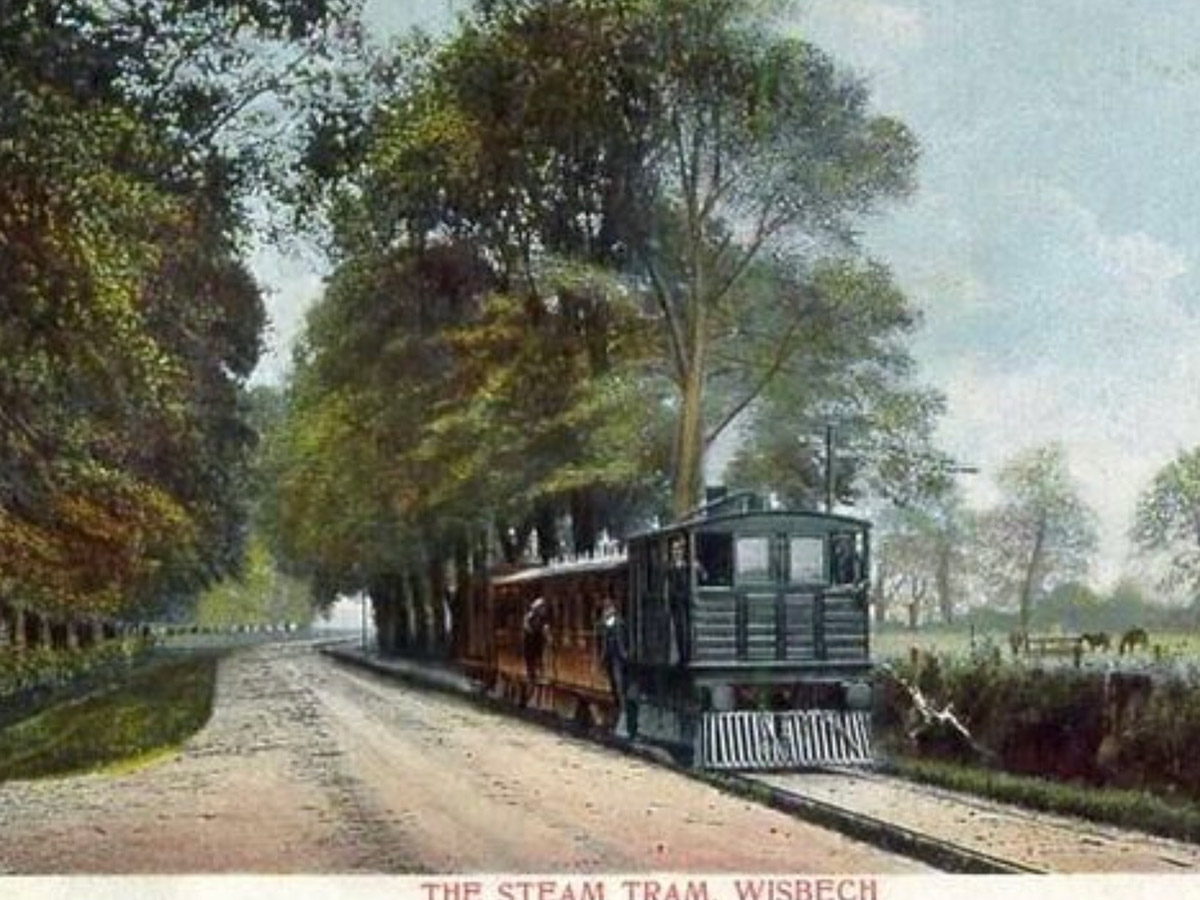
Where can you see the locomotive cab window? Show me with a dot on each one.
(753, 559)
(714, 553)
(806, 558)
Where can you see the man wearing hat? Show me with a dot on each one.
(536, 624)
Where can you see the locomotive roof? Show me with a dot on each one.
(584, 565)
(702, 521)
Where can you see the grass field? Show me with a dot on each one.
(896, 643)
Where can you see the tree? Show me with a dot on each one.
(922, 556)
(683, 144)
(905, 568)
(1041, 534)
(763, 147)
(850, 368)
(128, 323)
(1167, 521)
(557, 392)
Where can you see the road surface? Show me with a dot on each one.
(311, 767)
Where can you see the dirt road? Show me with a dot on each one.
(309, 767)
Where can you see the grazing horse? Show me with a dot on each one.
(1132, 639)
(1096, 640)
(1018, 641)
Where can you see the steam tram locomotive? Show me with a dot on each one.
(748, 640)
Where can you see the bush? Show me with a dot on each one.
(36, 673)
(1118, 729)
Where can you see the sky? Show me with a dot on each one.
(1051, 245)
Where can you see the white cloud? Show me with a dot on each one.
(871, 35)
(887, 21)
(1072, 333)
(1141, 266)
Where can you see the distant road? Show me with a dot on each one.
(310, 767)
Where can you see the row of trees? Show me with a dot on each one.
(1039, 535)
(574, 243)
(128, 321)
(1031, 551)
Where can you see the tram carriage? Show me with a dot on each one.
(748, 638)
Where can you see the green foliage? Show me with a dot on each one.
(844, 364)
(1132, 809)
(47, 670)
(128, 323)
(1165, 524)
(682, 147)
(1063, 724)
(922, 559)
(261, 594)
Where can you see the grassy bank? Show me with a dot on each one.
(156, 709)
(1137, 810)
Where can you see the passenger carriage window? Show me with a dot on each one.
(807, 560)
(753, 558)
(715, 555)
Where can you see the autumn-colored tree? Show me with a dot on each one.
(128, 324)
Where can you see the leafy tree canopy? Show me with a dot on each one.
(681, 146)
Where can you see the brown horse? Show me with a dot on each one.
(1132, 639)
(1096, 640)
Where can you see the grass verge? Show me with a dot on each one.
(1124, 808)
(158, 707)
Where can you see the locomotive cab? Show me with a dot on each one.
(750, 638)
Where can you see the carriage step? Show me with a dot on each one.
(782, 740)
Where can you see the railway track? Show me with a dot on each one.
(985, 833)
(953, 832)
(926, 846)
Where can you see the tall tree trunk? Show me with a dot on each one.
(416, 612)
(20, 639)
(583, 521)
(426, 636)
(916, 595)
(944, 595)
(689, 441)
(436, 575)
(880, 596)
(463, 580)
(1035, 558)
(477, 609)
(547, 533)
(405, 613)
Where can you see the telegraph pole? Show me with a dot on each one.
(362, 602)
(829, 468)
